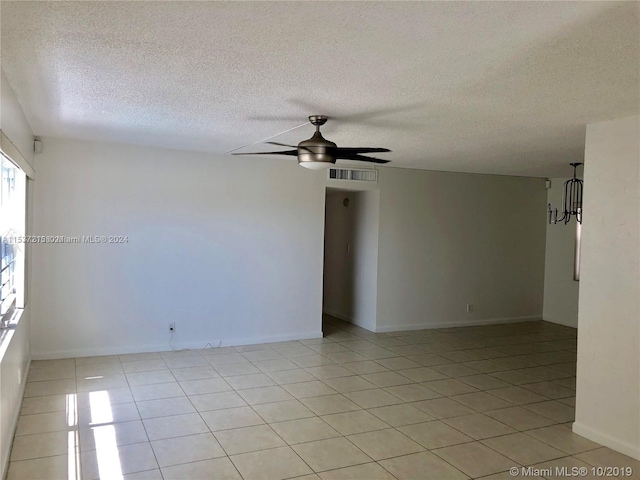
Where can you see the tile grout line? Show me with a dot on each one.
(403, 402)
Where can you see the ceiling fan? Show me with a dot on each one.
(317, 152)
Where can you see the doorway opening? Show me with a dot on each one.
(350, 274)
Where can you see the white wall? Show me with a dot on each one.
(366, 216)
(448, 240)
(608, 387)
(560, 290)
(229, 248)
(350, 274)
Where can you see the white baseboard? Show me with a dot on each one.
(347, 318)
(123, 350)
(461, 323)
(362, 325)
(613, 443)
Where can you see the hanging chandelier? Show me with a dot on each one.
(571, 199)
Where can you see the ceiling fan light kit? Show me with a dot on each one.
(318, 153)
(316, 164)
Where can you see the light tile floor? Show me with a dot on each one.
(441, 404)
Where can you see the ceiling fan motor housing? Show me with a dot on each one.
(316, 150)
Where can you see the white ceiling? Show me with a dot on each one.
(486, 87)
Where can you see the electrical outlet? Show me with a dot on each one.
(469, 307)
(172, 327)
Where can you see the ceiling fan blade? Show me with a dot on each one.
(292, 146)
(361, 158)
(282, 144)
(352, 150)
(283, 152)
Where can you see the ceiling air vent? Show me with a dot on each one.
(353, 174)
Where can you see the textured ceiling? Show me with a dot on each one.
(487, 87)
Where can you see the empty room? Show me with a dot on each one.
(335, 240)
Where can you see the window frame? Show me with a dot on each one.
(13, 249)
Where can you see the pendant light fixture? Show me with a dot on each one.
(572, 207)
(571, 199)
